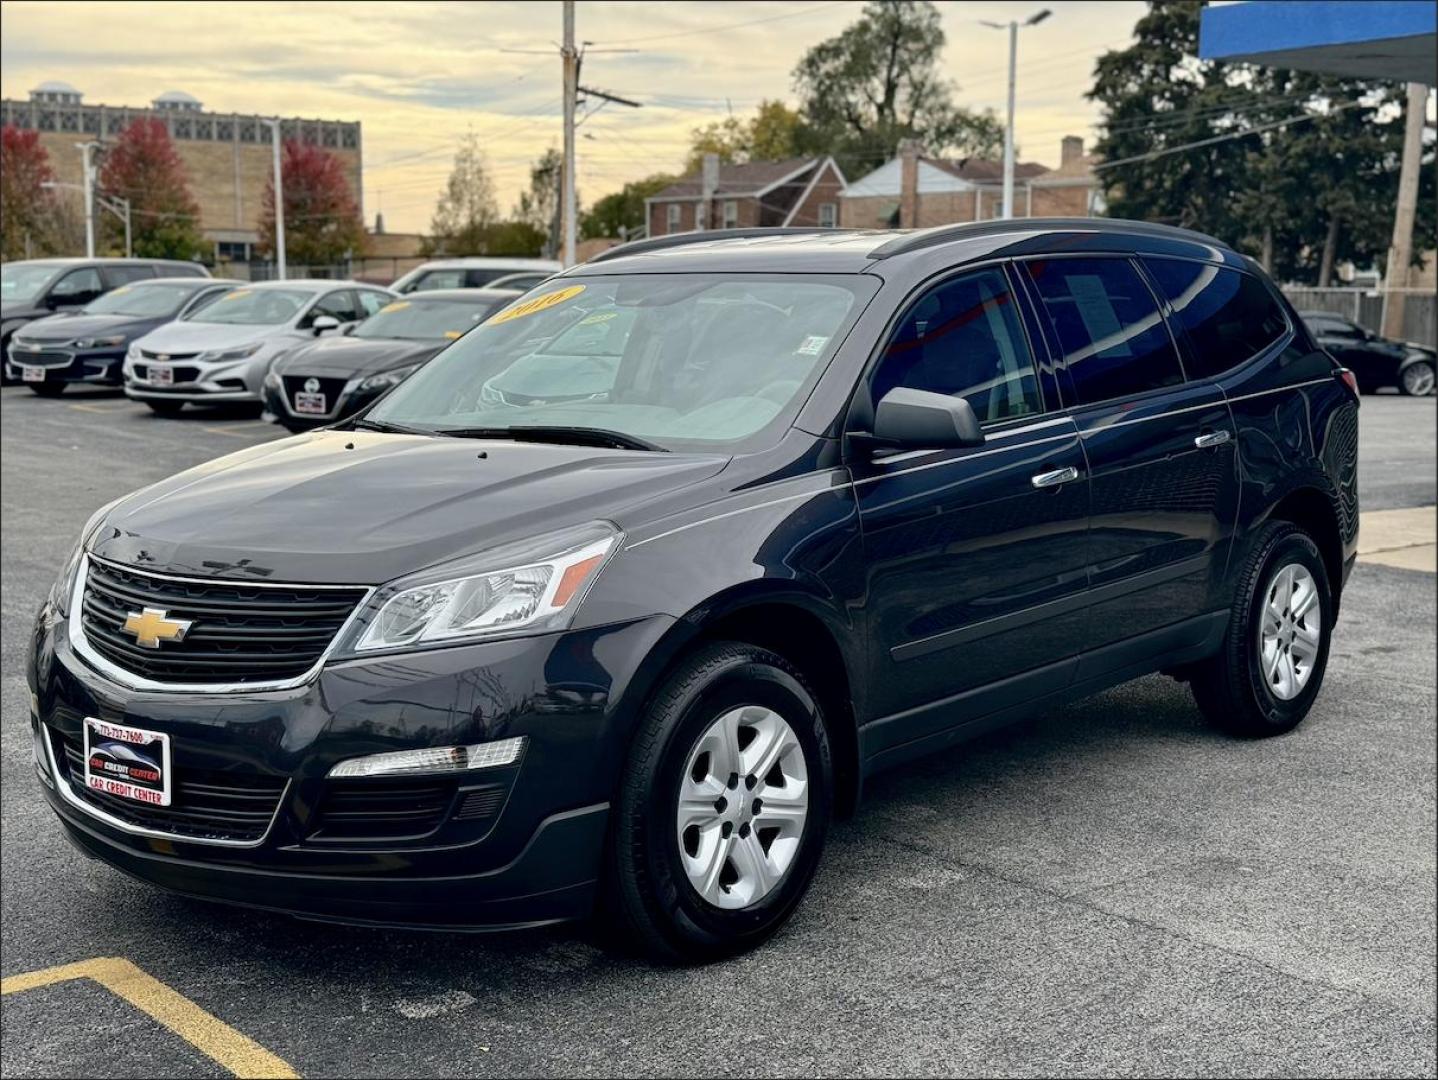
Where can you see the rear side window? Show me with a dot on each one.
(123, 275)
(1229, 317)
(964, 339)
(1114, 342)
(438, 279)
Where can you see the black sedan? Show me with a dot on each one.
(1375, 361)
(335, 377)
(89, 345)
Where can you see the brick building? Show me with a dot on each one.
(227, 155)
(915, 191)
(797, 191)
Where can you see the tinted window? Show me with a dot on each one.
(477, 279)
(1113, 340)
(964, 339)
(339, 304)
(121, 275)
(78, 286)
(1229, 316)
(438, 279)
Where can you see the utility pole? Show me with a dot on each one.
(279, 184)
(87, 181)
(1400, 250)
(569, 207)
(1013, 29)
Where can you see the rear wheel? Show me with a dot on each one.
(1417, 379)
(723, 808)
(166, 408)
(48, 389)
(1265, 678)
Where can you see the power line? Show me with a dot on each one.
(730, 26)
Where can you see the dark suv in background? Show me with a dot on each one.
(830, 501)
(34, 288)
(1375, 361)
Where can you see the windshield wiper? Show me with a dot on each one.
(571, 436)
(386, 426)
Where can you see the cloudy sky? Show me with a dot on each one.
(418, 75)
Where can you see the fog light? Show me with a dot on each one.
(433, 759)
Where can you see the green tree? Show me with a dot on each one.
(515, 238)
(880, 81)
(622, 212)
(538, 207)
(773, 133)
(466, 207)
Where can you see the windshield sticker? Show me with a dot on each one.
(599, 317)
(396, 305)
(452, 334)
(812, 345)
(539, 303)
(236, 294)
(121, 289)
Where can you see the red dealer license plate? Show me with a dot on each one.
(129, 762)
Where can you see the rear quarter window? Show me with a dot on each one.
(1229, 317)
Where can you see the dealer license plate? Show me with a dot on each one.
(32, 374)
(162, 375)
(314, 404)
(129, 762)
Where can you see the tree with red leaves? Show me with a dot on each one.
(144, 167)
(322, 221)
(26, 205)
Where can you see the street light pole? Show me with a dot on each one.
(569, 209)
(279, 185)
(1013, 29)
(88, 184)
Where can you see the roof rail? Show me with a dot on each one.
(659, 243)
(944, 234)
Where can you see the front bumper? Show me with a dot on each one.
(66, 365)
(350, 401)
(532, 856)
(198, 381)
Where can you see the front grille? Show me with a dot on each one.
(206, 804)
(42, 358)
(239, 633)
(330, 388)
(151, 354)
(381, 809)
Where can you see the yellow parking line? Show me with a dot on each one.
(235, 430)
(212, 1037)
(87, 407)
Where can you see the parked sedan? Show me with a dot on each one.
(221, 353)
(1376, 361)
(333, 378)
(89, 345)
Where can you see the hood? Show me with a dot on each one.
(61, 328)
(355, 507)
(346, 357)
(192, 337)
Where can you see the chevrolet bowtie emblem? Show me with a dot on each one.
(154, 625)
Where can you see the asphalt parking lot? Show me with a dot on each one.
(1111, 889)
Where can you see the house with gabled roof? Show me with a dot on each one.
(755, 194)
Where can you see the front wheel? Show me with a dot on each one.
(1417, 379)
(723, 808)
(1265, 678)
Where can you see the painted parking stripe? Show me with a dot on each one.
(212, 1037)
(237, 431)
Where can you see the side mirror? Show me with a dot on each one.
(920, 419)
(324, 323)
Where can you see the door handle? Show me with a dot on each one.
(1212, 438)
(1066, 475)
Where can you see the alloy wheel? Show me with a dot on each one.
(1418, 380)
(743, 802)
(1290, 631)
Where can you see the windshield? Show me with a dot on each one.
(19, 282)
(426, 320)
(254, 307)
(677, 360)
(141, 300)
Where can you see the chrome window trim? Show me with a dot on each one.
(67, 792)
(131, 681)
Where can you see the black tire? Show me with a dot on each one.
(48, 389)
(1230, 688)
(648, 896)
(166, 408)
(1407, 383)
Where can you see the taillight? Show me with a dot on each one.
(1349, 380)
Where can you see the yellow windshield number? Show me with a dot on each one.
(538, 304)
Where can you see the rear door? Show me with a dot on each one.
(1160, 454)
(975, 571)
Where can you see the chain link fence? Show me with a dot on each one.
(1366, 307)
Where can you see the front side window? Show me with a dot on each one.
(339, 305)
(253, 307)
(964, 339)
(1114, 342)
(698, 361)
(78, 286)
(1229, 316)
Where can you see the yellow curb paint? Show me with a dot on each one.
(212, 1037)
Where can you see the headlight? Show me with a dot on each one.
(100, 342)
(433, 759)
(232, 354)
(537, 585)
(133, 352)
(388, 378)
